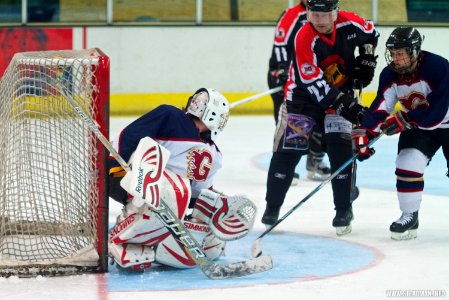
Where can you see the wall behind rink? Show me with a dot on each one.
(154, 65)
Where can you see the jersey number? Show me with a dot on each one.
(321, 84)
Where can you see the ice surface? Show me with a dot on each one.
(310, 261)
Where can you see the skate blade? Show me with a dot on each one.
(406, 235)
(343, 230)
(316, 176)
(295, 182)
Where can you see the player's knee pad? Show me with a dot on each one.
(169, 252)
(410, 166)
(136, 257)
(339, 150)
(229, 217)
(412, 160)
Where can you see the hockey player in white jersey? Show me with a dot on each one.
(173, 157)
(418, 80)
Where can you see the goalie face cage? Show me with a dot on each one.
(53, 200)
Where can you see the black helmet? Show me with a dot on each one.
(404, 37)
(322, 5)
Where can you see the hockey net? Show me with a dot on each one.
(53, 201)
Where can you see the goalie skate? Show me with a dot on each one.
(130, 257)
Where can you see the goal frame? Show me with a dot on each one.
(101, 118)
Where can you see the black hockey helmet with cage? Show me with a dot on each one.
(405, 37)
(408, 38)
(322, 5)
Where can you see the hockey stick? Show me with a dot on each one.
(354, 190)
(211, 269)
(257, 96)
(256, 250)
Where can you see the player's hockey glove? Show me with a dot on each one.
(346, 106)
(361, 137)
(279, 76)
(364, 67)
(396, 123)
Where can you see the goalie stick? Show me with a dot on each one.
(211, 269)
(257, 96)
(256, 249)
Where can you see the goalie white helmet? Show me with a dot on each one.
(211, 107)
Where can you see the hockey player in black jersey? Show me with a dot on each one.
(418, 80)
(319, 92)
(289, 23)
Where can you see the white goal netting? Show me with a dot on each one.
(53, 207)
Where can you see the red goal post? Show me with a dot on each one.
(53, 183)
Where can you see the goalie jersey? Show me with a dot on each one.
(191, 156)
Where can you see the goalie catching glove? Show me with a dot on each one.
(147, 166)
(229, 217)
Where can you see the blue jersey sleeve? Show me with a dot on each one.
(435, 71)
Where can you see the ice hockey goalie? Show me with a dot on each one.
(140, 240)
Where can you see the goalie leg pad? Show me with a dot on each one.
(139, 228)
(135, 257)
(170, 253)
(229, 217)
(212, 246)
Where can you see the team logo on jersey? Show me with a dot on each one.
(414, 100)
(280, 33)
(307, 69)
(333, 67)
(199, 164)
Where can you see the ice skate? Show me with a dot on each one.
(342, 221)
(270, 216)
(316, 168)
(405, 228)
(295, 180)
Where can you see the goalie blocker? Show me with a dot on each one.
(140, 238)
